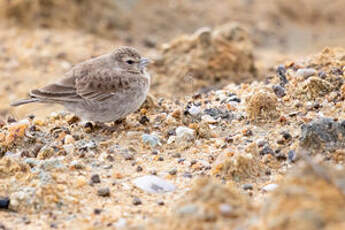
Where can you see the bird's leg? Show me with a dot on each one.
(114, 126)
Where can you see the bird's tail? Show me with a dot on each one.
(25, 101)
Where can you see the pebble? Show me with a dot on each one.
(136, 201)
(104, 192)
(281, 71)
(4, 203)
(69, 139)
(160, 203)
(150, 139)
(306, 72)
(292, 156)
(153, 184)
(278, 91)
(266, 150)
(187, 209)
(194, 110)
(173, 172)
(95, 179)
(184, 134)
(270, 187)
(121, 223)
(225, 209)
(247, 187)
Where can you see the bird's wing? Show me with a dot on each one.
(61, 91)
(102, 84)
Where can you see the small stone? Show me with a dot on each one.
(247, 187)
(160, 203)
(187, 209)
(95, 179)
(194, 110)
(173, 172)
(176, 155)
(136, 201)
(144, 120)
(139, 168)
(127, 156)
(76, 164)
(225, 209)
(150, 139)
(160, 158)
(281, 71)
(270, 187)
(266, 150)
(104, 192)
(278, 91)
(153, 184)
(187, 175)
(306, 72)
(184, 134)
(97, 211)
(4, 203)
(292, 156)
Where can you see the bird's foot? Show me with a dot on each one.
(109, 129)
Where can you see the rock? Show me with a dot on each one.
(150, 139)
(184, 134)
(194, 110)
(104, 192)
(247, 187)
(188, 209)
(4, 203)
(278, 91)
(226, 210)
(323, 134)
(173, 172)
(136, 201)
(281, 71)
(270, 187)
(95, 179)
(306, 72)
(292, 156)
(153, 184)
(69, 139)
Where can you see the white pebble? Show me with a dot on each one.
(306, 72)
(270, 187)
(153, 184)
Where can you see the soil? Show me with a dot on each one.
(245, 126)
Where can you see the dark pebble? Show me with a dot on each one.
(286, 135)
(4, 203)
(136, 201)
(160, 203)
(247, 187)
(153, 172)
(95, 179)
(187, 175)
(173, 172)
(281, 71)
(292, 155)
(278, 91)
(105, 192)
(143, 120)
(160, 158)
(193, 162)
(139, 168)
(266, 150)
(181, 160)
(97, 211)
(154, 152)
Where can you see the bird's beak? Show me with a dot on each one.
(144, 62)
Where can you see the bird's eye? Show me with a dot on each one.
(130, 62)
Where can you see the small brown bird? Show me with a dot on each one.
(103, 89)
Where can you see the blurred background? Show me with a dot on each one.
(197, 45)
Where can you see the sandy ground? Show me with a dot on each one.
(247, 121)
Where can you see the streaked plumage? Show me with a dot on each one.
(103, 89)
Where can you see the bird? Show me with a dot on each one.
(103, 89)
